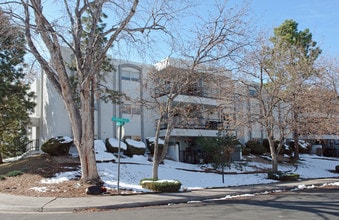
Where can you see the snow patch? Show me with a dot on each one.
(152, 139)
(100, 152)
(137, 144)
(40, 189)
(115, 143)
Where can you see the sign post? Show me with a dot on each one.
(119, 123)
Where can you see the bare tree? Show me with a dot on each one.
(287, 92)
(320, 103)
(329, 71)
(128, 20)
(262, 88)
(217, 45)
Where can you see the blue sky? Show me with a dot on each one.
(320, 16)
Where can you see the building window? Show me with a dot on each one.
(253, 93)
(130, 109)
(130, 75)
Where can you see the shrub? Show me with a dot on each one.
(287, 150)
(11, 174)
(284, 150)
(304, 147)
(246, 151)
(256, 147)
(161, 185)
(134, 148)
(14, 173)
(112, 145)
(57, 146)
(151, 148)
(266, 144)
(218, 150)
(283, 176)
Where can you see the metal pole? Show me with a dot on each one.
(120, 131)
(119, 122)
(222, 166)
(223, 174)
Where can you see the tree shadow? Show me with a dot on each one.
(323, 203)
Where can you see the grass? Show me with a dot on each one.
(11, 174)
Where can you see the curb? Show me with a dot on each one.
(11, 203)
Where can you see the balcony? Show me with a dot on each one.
(192, 127)
(195, 123)
(197, 91)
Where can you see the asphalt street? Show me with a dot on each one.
(319, 203)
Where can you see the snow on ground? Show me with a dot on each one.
(131, 174)
(100, 152)
(132, 170)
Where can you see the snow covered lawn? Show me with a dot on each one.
(193, 176)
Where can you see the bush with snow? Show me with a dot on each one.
(256, 147)
(58, 146)
(283, 176)
(304, 146)
(112, 145)
(150, 144)
(161, 185)
(134, 147)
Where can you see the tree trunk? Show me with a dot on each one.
(155, 173)
(274, 163)
(295, 128)
(89, 172)
(156, 159)
(84, 141)
(273, 154)
(296, 138)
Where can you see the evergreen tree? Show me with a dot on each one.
(298, 53)
(218, 150)
(15, 99)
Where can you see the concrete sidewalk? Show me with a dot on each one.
(12, 203)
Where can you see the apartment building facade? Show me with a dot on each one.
(205, 97)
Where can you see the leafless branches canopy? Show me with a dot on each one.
(86, 30)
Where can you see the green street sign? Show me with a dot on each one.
(120, 121)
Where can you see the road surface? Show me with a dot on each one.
(320, 203)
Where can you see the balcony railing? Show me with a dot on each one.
(190, 123)
(198, 91)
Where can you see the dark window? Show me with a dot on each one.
(130, 109)
(130, 75)
(253, 93)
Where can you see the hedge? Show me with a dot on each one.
(160, 185)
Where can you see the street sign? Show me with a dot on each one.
(121, 132)
(120, 121)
